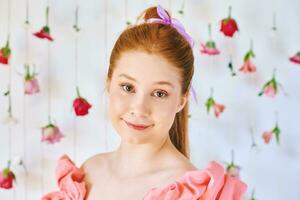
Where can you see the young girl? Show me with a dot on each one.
(148, 84)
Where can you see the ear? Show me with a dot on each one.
(183, 101)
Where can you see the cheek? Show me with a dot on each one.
(116, 104)
(164, 114)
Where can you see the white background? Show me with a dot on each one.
(274, 171)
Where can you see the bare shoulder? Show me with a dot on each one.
(94, 164)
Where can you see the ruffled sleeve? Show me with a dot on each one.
(69, 180)
(209, 184)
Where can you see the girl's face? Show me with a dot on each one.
(144, 97)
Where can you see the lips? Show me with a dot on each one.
(137, 126)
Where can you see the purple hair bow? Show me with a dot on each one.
(165, 19)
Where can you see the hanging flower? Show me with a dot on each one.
(229, 25)
(248, 66)
(210, 46)
(296, 58)
(44, 33)
(270, 88)
(218, 108)
(232, 169)
(267, 135)
(31, 85)
(51, 133)
(80, 105)
(9, 120)
(5, 53)
(7, 177)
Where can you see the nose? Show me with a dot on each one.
(140, 106)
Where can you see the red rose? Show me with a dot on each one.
(229, 25)
(295, 58)
(5, 54)
(44, 33)
(6, 179)
(81, 106)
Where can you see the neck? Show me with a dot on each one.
(131, 160)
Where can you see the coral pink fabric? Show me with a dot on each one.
(211, 183)
(70, 182)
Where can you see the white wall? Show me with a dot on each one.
(272, 170)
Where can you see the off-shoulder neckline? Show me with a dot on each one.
(178, 180)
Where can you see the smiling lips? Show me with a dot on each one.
(136, 126)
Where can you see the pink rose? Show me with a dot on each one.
(267, 136)
(51, 134)
(270, 91)
(31, 86)
(209, 49)
(218, 108)
(248, 67)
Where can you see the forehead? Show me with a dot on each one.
(145, 67)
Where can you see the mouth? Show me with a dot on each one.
(137, 126)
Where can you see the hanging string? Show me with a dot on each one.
(105, 64)
(125, 11)
(24, 104)
(48, 100)
(170, 6)
(76, 80)
(9, 90)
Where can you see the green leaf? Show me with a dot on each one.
(274, 84)
(209, 103)
(6, 172)
(248, 55)
(46, 29)
(298, 54)
(277, 131)
(210, 44)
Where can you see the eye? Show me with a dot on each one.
(161, 94)
(126, 87)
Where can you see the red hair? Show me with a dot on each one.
(165, 41)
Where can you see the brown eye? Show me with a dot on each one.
(126, 87)
(161, 94)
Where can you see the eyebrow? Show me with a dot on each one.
(157, 83)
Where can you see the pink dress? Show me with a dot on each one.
(211, 183)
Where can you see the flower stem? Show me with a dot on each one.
(8, 164)
(232, 156)
(49, 119)
(209, 31)
(47, 15)
(229, 11)
(251, 45)
(211, 92)
(77, 91)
